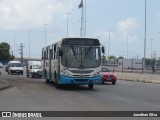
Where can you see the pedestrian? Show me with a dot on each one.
(153, 69)
(0, 73)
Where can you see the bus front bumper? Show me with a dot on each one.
(74, 80)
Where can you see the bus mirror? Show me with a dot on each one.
(60, 52)
(103, 51)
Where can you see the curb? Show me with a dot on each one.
(5, 87)
(142, 81)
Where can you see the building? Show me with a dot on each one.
(130, 64)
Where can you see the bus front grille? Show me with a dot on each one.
(81, 80)
(81, 76)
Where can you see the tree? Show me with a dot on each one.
(120, 57)
(112, 57)
(4, 52)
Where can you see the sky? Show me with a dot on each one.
(123, 19)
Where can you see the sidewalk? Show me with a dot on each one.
(138, 77)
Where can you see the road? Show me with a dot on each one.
(33, 94)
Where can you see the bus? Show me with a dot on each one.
(73, 61)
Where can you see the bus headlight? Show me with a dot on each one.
(67, 73)
(95, 74)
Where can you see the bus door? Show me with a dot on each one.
(50, 60)
(43, 61)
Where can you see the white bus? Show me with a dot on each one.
(72, 61)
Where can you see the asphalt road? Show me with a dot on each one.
(28, 94)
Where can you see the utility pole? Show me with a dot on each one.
(85, 32)
(81, 5)
(21, 52)
(14, 45)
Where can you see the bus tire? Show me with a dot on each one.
(90, 86)
(57, 85)
(47, 80)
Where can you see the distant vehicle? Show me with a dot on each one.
(73, 61)
(1, 65)
(34, 68)
(15, 67)
(107, 75)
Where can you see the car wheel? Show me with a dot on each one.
(113, 83)
(90, 86)
(102, 82)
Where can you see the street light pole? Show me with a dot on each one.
(145, 36)
(29, 42)
(45, 32)
(127, 45)
(109, 43)
(67, 21)
(151, 46)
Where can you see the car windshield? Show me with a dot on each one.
(16, 65)
(37, 66)
(105, 69)
(81, 56)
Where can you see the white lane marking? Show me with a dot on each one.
(151, 105)
(124, 99)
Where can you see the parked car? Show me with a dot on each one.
(108, 75)
(34, 68)
(1, 65)
(15, 67)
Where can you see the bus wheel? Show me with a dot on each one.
(90, 86)
(47, 81)
(57, 85)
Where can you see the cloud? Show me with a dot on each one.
(128, 26)
(16, 14)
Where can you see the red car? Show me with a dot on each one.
(107, 75)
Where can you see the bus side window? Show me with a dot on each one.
(47, 53)
(55, 49)
(42, 54)
(51, 54)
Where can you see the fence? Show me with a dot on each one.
(134, 65)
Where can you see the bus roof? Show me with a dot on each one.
(60, 40)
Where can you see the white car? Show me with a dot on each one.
(15, 67)
(1, 65)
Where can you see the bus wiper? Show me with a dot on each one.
(66, 61)
(74, 53)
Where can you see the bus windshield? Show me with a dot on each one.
(81, 56)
